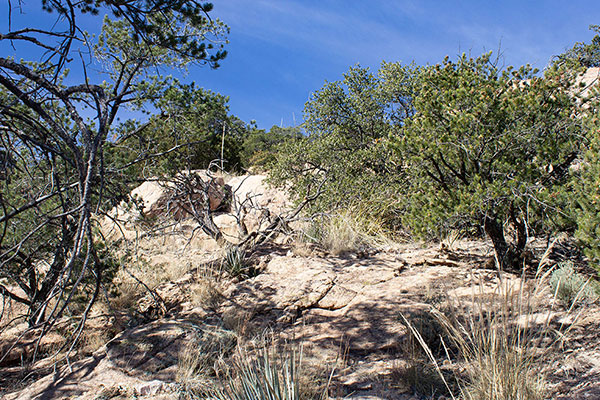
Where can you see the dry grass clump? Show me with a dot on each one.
(152, 275)
(203, 359)
(238, 321)
(205, 290)
(212, 366)
(137, 277)
(419, 375)
(346, 231)
(94, 338)
(133, 280)
(499, 340)
(451, 239)
(101, 327)
(343, 234)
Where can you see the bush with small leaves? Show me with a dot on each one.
(587, 195)
(488, 146)
(573, 288)
(344, 160)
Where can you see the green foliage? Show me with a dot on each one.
(582, 54)
(191, 33)
(187, 134)
(571, 287)
(57, 176)
(260, 147)
(344, 156)
(586, 185)
(25, 241)
(115, 46)
(234, 261)
(587, 188)
(487, 146)
(457, 145)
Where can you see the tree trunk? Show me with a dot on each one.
(37, 308)
(508, 256)
(520, 231)
(496, 233)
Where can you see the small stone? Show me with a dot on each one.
(150, 388)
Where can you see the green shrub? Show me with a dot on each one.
(345, 158)
(199, 130)
(259, 147)
(583, 54)
(459, 145)
(573, 288)
(488, 146)
(587, 190)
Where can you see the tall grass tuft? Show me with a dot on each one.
(201, 359)
(348, 231)
(500, 338)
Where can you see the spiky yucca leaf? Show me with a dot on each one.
(271, 375)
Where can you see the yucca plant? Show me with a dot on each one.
(236, 265)
(271, 375)
(234, 261)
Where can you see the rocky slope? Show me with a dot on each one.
(347, 311)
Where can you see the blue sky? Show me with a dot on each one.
(281, 51)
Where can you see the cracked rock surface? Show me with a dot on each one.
(346, 312)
